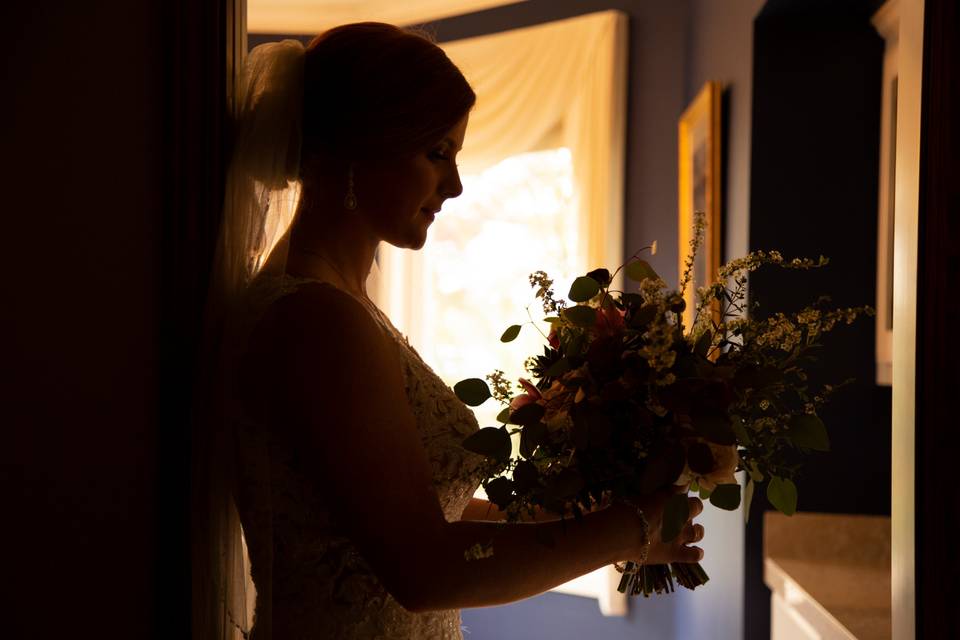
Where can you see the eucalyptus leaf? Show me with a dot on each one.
(581, 316)
(640, 270)
(782, 494)
(583, 288)
(600, 275)
(472, 391)
(527, 414)
(675, 515)
(490, 442)
(808, 431)
(526, 476)
(644, 316)
(500, 491)
(511, 333)
(726, 497)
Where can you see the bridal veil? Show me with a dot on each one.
(260, 200)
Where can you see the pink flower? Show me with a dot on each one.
(532, 395)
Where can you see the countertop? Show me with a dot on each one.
(833, 569)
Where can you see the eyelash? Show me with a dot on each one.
(439, 155)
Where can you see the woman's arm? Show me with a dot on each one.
(480, 509)
(330, 375)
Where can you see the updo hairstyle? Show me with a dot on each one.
(375, 91)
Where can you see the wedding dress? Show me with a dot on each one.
(311, 582)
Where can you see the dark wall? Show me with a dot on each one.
(113, 114)
(82, 130)
(815, 159)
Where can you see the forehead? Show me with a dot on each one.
(456, 133)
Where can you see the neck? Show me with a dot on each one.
(328, 242)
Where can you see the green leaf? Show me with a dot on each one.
(600, 275)
(552, 320)
(675, 515)
(581, 316)
(532, 436)
(558, 368)
(472, 391)
(782, 494)
(526, 476)
(644, 316)
(703, 344)
(500, 491)
(640, 270)
(504, 416)
(527, 414)
(748, 499)
(809, 431)
(726, 497)
(490, 442)
(755, 473)
(740, 431)
(583, 288)
(511, 333)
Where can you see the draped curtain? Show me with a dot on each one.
(571, 74)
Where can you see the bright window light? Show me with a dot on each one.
(514, 218)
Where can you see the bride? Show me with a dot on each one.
(333, 445)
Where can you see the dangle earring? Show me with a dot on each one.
(350, 200)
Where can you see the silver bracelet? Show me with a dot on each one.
(644, 545)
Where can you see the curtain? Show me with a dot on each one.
(572, 74)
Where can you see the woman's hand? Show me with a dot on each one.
(678, 549)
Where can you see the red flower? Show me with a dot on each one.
(610, 321)
(553, 339)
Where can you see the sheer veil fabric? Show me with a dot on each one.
(260, 200)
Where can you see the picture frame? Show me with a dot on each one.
(700, 176)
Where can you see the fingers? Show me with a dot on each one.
(696, 507)
(689, 554)
(692, 533)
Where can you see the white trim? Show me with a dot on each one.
(887, 23)
(906, 228)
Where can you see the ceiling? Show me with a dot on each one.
(314, 16)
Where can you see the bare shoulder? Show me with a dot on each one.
(318, 341)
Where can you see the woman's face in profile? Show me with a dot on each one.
(403, 196)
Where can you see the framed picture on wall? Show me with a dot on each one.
(700, 176)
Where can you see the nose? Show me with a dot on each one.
(451, 186)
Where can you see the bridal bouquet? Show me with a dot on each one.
(625, 401)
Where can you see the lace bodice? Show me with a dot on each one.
(310, 580)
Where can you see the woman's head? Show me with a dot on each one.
(386, 109)
(373, 90)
